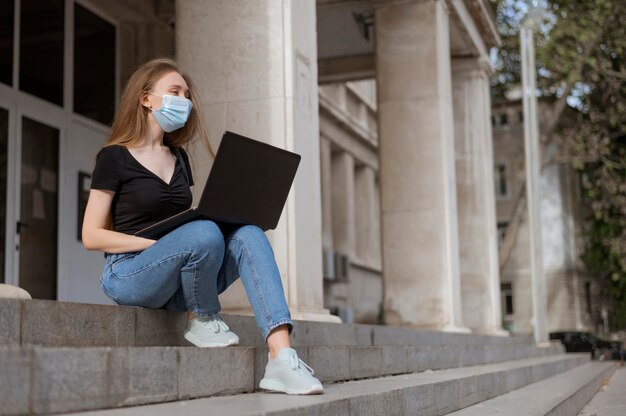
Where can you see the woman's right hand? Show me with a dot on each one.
(96, 232)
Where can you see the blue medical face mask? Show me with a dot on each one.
(173, 113)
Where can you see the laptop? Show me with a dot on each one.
(248, 184)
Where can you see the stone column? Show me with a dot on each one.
(418, 182)
(327, 201)
(343, 203)
(480, 275)
(366, 216)
(254, 65)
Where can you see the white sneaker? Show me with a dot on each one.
(289, 374)
(210, 332)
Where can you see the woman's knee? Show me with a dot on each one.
(203, 236)
(249, 233)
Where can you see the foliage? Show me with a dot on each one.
(581, 67)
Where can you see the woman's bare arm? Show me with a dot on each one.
(95, 232)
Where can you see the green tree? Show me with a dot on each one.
(581, 51)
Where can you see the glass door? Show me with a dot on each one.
(38, 213)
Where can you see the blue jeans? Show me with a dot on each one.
(190, 266)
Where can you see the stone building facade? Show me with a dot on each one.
(392, 215)
(573, 299)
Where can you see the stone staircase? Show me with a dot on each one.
(60, 357)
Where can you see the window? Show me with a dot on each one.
(502, 231)
(499, 119)
(41, 47)
(501, 181)
(521, 116)
(6, 41)
(94, 66)
(506, 290)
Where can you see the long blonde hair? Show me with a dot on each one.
(130, 124)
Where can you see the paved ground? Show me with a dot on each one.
(611, 399)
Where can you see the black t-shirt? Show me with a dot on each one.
(141, 197)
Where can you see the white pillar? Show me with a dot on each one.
(533, 172)
(366, 216)
(327, 202)
(480, 276)
(343, 203)
(418, 182)
(254, 64)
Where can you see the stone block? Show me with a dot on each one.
(10, 313)
(447, 395)
(539, 372)
(485, 386)
(388, 403)
(330, 363)
(394, 360)
(492, 354)
(448, 356)
(470, 355)
(389, 335)
(67, 324)
(142, 375)
(468, 391)
(499, 383)
(158, 327)
(366, 362)
(517, 378)
(420, 399)
(322, 333)
(15, 380)
(70, 379)
(417, 358)
(337, 407)
(246, 329)
(206, 372)
(364, 334)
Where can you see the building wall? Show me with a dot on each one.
(566, 282)
(142, 31)
(348, 131)
(351, 200)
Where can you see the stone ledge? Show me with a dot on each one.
(563, 394)
(43, 380)
(53, 323)
(427, 393)
(66, 378)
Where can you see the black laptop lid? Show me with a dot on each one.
(249, 182)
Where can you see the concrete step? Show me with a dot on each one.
(562, 394)
(425, 393)
(611, 399)
(42, 380)
(68, 324)
(53, 379)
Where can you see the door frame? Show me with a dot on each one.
(50, 118)
(10, 278)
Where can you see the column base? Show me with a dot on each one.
(316, 316)
(496, 332)
(499, 332)
(456, 329)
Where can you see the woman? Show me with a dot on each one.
(142, 176)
